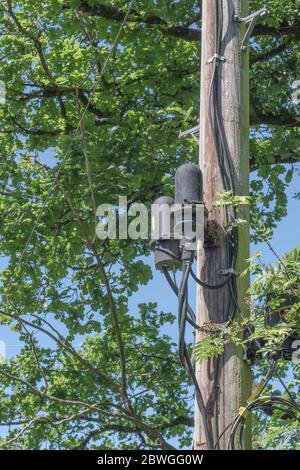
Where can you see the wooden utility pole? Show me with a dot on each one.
(234, 377)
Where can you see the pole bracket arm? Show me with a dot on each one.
(194, 132)
(252, 20)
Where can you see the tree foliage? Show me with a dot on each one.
(94, 372)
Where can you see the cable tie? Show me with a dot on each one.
(244, 412)
(216, 57)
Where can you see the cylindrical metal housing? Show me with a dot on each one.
(166, 248)
(162, 221)
(167, 254)
(188, 184)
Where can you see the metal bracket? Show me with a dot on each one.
(252, 20)
(216, 57)
(225, 272)
(194, 132)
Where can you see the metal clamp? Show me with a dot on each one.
(252, 20)
(216, 57)
(231, 271)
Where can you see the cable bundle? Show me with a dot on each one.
(185, 312)
(224, 158)
(238, 425)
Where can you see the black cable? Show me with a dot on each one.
(223, 152)
(216, 399)
(200, 402)
(192, 317)
(258, 404)
(183, 352)
(238, 421)
(227, 176)
(284, 386)
(185, 313)
(209, 286)
(221, 435)
(241, 433)
(262, 388)
(184, 357)
(182, 309)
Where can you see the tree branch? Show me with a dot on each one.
(112, 13)
(189, 34)
(65, 345)
(179, 421)
(105, 428)
(34, 39)
(284, 29)
(273, 160)
(89, 242)
(271, 53)
(24, 130)
(88, 168)
(149, 430)
(283, 120)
